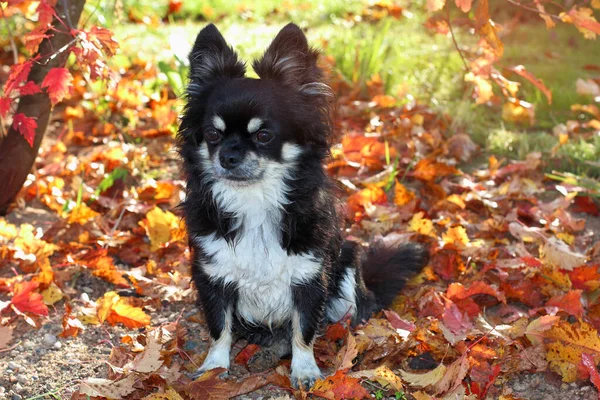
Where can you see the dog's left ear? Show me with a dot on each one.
(289, 59)
(212, 59)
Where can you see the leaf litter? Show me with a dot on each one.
(512, 287)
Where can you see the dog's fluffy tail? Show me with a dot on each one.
(386, 269)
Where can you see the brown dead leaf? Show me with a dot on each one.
(97, 387)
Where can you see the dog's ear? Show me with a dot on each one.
(290, 60)
(212, 59)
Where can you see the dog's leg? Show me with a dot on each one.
(217, 304)
(309, 303)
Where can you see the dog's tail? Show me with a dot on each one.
(387, 268)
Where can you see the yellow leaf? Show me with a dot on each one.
(128, 315)
(566, 237)
(519, 112)
(7, 231)
(402, 195)
(456, 199)
(456, 235)
(81, 214)
(596, 4)
(52, 295)
(170, 394)
(583, 18)
(483, 87)
(427, 379)
(421, 225)
(158, 225)
(105, 304)
(382, 375)
(569, 343)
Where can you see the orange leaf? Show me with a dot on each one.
(585, 277)
(128, 315)
(521, 71)
(103, 266)
(569, 302)
(428, 169)
(456, 235)
(362, 198)
(340, 386)
(105, 39)
(583, 19)
(58, 81)
(71, 326)
(246, 353)
(456, 291)
(25, 300)
(402, 195)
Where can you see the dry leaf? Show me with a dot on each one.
(96, 387)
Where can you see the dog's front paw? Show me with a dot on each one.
(305, 377)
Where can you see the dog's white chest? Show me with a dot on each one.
(260, 268)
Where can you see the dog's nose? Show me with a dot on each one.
(230, 158)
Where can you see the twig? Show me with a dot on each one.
(10, 348)
(535, 10)
(454, 39)
(11, 37)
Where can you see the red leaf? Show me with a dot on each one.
(397, 322)
(586, 204)
(246, 353)
(336, 332)
(588, 362)
(569, 302)
(458, 291)
(521, 71)
(25, 300)
(26, 126)
(584, 277)
(57, 81)
(18, 74)
(45, 14)
(4, 106)
(454, 319)
(29, 88)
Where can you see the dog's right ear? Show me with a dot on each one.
(212, 59)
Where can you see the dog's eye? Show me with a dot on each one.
(212, 135)
(264, 137)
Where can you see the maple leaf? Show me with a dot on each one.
(45, 13)
(544, 15)
(105, 39)
(519, 112)
(57, 82)
(18, 74)
(458, 291)
(29, 88)
(339, 386)
(583, 18)
(483, 91)
(210, 387)
(96, 387)
(569, 302)
(336, 332)
(52, 294)
(585, 277)
(159, 225)
(26, 300)
(402, 195)
(81, 214)
(33, 39)
(456, 235)
(421, 225)
(103, 266)
(5, 104)
(397, 322)
(114, 309)
(148, 360)
(453, 376)
(568, 344)
(26, 126)
(345, 357)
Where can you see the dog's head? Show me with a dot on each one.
(239, 130)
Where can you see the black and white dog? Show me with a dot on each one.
(269, 261)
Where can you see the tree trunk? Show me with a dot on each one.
(16, 156)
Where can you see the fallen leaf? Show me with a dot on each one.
(556, 252)
(589, 363)
(569, 302)
(6, 335)
(169, 394)
(344, 359)
(97, 387)
(430, 378)
(338, 387)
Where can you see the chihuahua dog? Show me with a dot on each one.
(269, 260)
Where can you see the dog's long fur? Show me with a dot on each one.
(270, 263)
